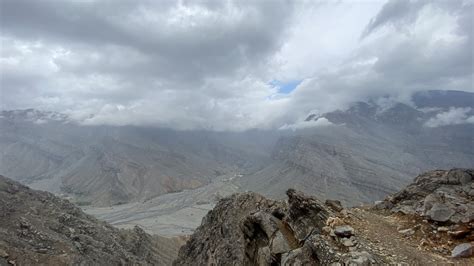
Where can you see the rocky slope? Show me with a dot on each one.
(249, 229)
(440, 196)
(37, 228)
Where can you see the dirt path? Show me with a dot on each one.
(384, 237)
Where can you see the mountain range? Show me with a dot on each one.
(359, 154)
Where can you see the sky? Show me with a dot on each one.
(227, 65)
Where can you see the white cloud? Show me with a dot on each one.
(320, 122)
(454, 116)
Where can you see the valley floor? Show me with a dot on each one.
(173, 214)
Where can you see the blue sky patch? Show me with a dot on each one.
(285, 87)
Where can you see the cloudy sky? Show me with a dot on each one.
(227, 65)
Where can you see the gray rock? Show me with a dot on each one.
(279, 244)
(344, 231)
(235, 231)
(440, 212)
(348, 242)
(462, 251)
(266, 221)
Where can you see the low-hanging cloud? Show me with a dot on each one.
(454, 116)
(320, 122)
(209, 64)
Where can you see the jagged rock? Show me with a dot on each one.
(344, 231)
(266, 221)
(236, 230)
(437, 195)
(306, 214)
(256, 234)
(462, 251)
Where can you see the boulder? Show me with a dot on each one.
(440, 212)
(462, 251)
(344, 231)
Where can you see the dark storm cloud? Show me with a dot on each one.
(178, 60)
(220, 39)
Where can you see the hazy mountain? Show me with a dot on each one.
(108, 165)
(370, 150)
(360, 154)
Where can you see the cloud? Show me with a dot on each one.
(432, 51)
(396, 13)
(454, 116)
(210, 64)
(320, 122)
(178, 64)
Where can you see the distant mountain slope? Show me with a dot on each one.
(104, 165)
(369, 151)
(443, 99)
(37, 228)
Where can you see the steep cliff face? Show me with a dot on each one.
(39, 228)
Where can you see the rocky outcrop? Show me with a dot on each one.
(442, 197)
(445, 201)
(37, 228)
(248, 229)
